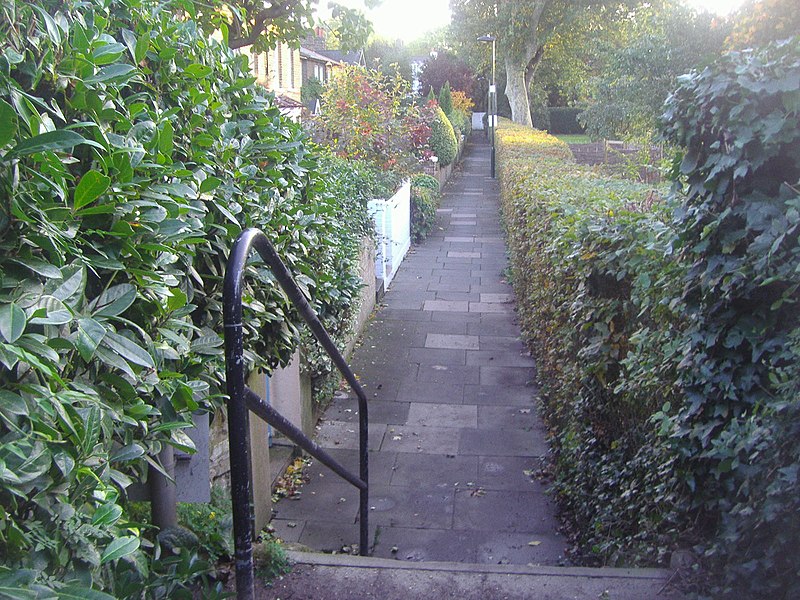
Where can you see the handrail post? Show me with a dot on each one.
(238, 421)
(241, 401)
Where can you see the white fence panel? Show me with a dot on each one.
(393, 227)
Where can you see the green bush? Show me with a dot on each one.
(461, 122)
(365, 115)
(425, 198)
(443, 138)
(666, 332)
(350, 184)
(132, 151)
(564, 120)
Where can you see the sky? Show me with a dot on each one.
(410, 19)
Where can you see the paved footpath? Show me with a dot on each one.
(454, 433)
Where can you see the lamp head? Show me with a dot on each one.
(487, 38)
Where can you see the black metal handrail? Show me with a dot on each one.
(242, 400)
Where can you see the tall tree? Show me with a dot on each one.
(443, 67)
(639, 65)
(758, 22)
(522, 29)
(265, 23)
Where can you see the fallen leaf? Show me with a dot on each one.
(535, 543)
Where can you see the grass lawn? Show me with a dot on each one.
(575, 138)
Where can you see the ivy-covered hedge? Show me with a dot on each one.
(133, 149)
(666, 332)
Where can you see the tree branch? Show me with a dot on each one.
(276, 10)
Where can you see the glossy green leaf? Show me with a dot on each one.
(72, 284)
(198, 71)
(52, 28)
(90, 335)
(91, 186)
(182, 441)
(117, 74)
(209, 184)
(8, 123)
(50, 311)
(114, 301)
(128, 453)
(52, 141)
(165, 138)
(128, 350)
(119, 547)
(41, 267)
(107, 514)
(12, 322)
(107, 53)
(78, 592)
(177, 299)
(112, 359)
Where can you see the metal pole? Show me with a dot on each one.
(493, 105)
(163, 493)
(238, 422)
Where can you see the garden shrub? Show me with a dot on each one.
(666, 332)
(443, 138)
(458, 117)
(367, 115)
(462, 106)
(132, 151)
(564, 120)
(424, 202)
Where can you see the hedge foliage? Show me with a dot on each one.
(133, 149)
(736, 432)
(666, 331)
(425, 197)
(581, 288)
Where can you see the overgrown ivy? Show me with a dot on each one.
(735, 433)
(133, 149)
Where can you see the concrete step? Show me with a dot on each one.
(334, 577)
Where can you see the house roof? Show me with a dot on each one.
(287, 102)
(350, 58)
(312, 55)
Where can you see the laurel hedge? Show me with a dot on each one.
(133, 149)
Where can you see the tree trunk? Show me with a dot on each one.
(517, 93)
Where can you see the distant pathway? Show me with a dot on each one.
(454, 432)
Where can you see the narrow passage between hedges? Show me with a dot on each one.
(455, 439)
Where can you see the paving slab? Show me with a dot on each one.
(450, 471)
(443, 415)
(477, 509)
(452, 341)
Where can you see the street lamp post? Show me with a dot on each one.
(492, 108)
